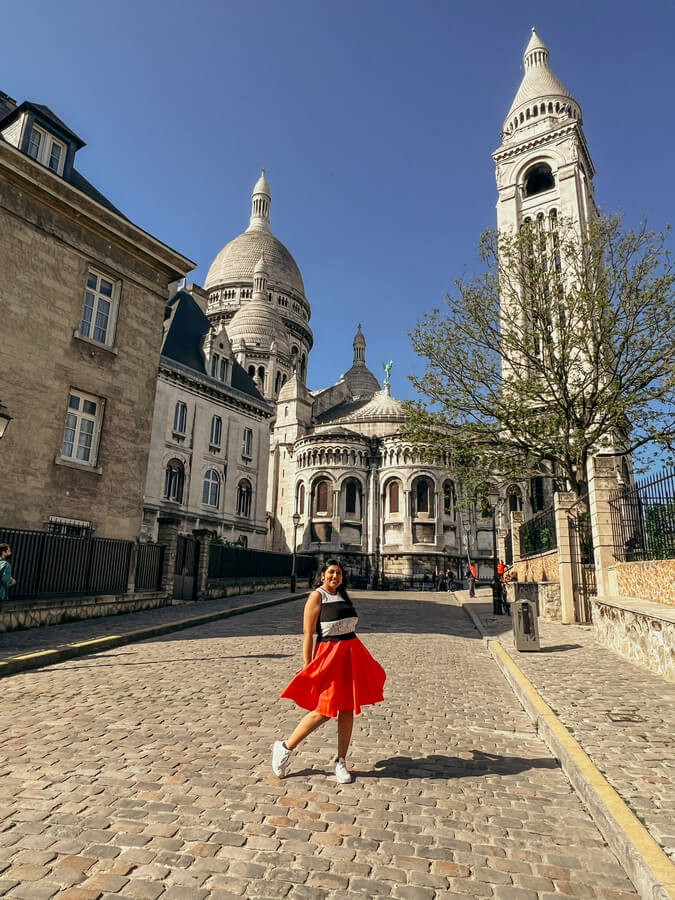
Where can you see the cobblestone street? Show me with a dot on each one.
(144, 772)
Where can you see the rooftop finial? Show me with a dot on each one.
(260, 205)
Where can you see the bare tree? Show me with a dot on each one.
(562, 348)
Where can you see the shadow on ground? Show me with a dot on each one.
(444, 768)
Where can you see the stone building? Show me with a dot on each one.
(336, 454)
(83, 297)
(210, 433)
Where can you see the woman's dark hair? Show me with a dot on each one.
(342, 589)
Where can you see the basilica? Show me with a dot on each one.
(332, 472)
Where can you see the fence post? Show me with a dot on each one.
(516, 522)
(133, 561)
(562, 502)
(168, 536)
(204, 538)
(602, 481)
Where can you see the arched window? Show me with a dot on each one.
(216, 431)
(277, 383)
(350, 498)
(251, 371)
(449, 499)
(300, 501)
(261, 375)
(394, 492)
(174, 479)
(539, 179)
(303, 364)
(322, 497)
(211, 488)
(244, 493)
(422, 496)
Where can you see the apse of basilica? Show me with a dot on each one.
(335, 456)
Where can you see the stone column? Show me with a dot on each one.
(562, 501)
(131, 574)
(602, 481)
(516, 522)
(167, 535)
(204, 538)
(337, 521)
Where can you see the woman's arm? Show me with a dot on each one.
(309, 620)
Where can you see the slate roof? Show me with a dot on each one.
(183, 341)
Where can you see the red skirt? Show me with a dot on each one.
(342, 676)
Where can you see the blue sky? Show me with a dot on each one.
(375, 121)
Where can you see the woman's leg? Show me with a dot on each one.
(307, 725)
(345, 725)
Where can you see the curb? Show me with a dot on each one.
(644, 861)
(40, 658)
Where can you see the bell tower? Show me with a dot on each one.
(543, 167)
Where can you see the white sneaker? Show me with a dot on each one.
(342, 773)
(281, 757)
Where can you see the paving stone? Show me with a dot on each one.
(161, 762)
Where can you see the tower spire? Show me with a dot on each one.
(359, 348)
(260, 279)
(260, 205)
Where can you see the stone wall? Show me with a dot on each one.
(545, 594)
(230, 587)
(643, 634)
(22, 614)
(651, 580)
(542, 567)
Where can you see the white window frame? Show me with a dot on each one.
(82, 428)
(46, 144)
(95, 298)
(247, 444)
(182, 406)
(208, 485)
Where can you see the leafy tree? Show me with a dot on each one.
(563, 347)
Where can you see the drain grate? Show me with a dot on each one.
(624, 715)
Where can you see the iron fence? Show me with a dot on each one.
(643, 519)
(240, 562)
(149, 561)
(53, 564)
(538, 534)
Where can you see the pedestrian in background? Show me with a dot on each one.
(471, 575)
(339, 675)
(6, 580)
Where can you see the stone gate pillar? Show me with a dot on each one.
(562, 502)
(168, 535)
(204, 538)
(516, 522)
(602, 481)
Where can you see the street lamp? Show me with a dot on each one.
(296, 522)
(493, 499)
(5, 419)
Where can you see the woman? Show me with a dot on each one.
(6, 580)
(339, 676)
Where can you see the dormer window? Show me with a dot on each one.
(45, 149)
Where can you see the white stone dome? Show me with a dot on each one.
(237, 261)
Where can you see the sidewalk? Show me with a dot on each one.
(621, 715)
(55, 643)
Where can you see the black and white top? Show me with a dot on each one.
(337, 618)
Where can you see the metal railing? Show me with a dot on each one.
(643, 519)
(538, 535)
(53, 564)
(239, 562)
(149, 561)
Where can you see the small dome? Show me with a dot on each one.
(237, 261)
(258, 325)
(361, 381)
(381, 406)
(261, 185)
(539, 82)
(359, 338)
